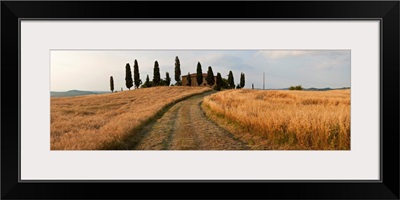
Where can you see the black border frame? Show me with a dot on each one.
(386, 11)
(195, 180)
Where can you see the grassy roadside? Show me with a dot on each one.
(131, 140)
(284, 120)
(237, 129)
(97, 121)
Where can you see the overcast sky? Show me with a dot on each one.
(91, 70)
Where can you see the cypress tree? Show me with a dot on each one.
(219, 82)
(210, 77)
(167, 79)
(189, 79)
(111, 84)
(128, 76)
(177, 71)
(156, 74)
(136, 74)
(147, 83)
(199, 76)
(231, 81)
(242, 80)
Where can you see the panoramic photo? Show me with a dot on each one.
(200, 99)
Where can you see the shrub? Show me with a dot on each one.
(298, 87)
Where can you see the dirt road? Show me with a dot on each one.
(185, 127)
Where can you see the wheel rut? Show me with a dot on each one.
(185, 127)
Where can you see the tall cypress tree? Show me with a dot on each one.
(189, 79)
(111, 84)
(242, 80)
(231, 81)
(199, 76)
(167, 79)
(218, 82)
(128, 76)
(210, 77)
(177, 71)
(136, 74)
(156, 74)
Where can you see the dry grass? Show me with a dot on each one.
(285, 119)
(94, 121)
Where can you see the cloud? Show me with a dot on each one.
(233, 61)
(327, 65)
(279, 54)
(332, 60)
(321, 54)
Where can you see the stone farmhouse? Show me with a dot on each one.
(194, 81)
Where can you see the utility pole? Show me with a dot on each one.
(263, 80)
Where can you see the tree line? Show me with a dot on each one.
(220, 83)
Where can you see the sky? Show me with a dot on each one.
(90, 70)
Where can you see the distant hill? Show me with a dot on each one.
(325, 89)
(74, 93)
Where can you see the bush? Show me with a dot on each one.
(225, 84)
(298, 87)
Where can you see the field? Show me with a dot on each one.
(103, 121)
(284, 120)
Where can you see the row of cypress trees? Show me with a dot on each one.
(128, 75)
(219, 82)
(129, 82)
(199, 76)
(157, 81)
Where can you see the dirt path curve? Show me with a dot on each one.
(185, 127)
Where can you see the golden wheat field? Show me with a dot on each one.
(301, 120)
(95, 121)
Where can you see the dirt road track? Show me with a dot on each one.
(185, 127)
